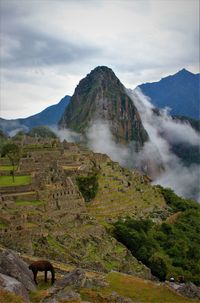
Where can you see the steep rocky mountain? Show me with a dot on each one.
(101, 96)
(48, 117)
(180, 92)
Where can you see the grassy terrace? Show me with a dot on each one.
(27, 203)
(116, 198)
(19, 180)
(6, 167)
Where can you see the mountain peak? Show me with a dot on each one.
(102, 68)
(101, 96)
(103, 72)
(98, 78)
(179, 91)
(184, 72)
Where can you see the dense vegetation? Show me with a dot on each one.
(42, 131)
(171, 248)
(175, 202)
(88, 186)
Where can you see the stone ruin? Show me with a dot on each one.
(52, 183)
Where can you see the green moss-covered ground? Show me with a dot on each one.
(18, 180)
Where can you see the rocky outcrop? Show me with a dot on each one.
(76, 278)
(101, 96)
(12, 285)
(188, 289)
(12, 266)
(67, 288)
(14, 275)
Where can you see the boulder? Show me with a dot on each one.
(65, 289)
(189, 290)
(13, 266)
(76, 278)
(12, 285)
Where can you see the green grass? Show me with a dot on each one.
(41, 290)
(7, 167)
(19, 180)
(140, 290)
(8, 297)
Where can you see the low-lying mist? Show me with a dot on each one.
(163, 132)
(156, 157)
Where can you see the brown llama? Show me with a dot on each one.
(42, 266)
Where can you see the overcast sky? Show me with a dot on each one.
(48, 46)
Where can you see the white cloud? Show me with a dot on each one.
(100, 140)
(163, 131)
(140, 40)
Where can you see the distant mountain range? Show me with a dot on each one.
(180, 92)
(48, 117)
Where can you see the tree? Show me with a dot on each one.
(159, 265)
(88, 186)
(12, 151)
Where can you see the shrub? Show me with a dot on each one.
(88, 186)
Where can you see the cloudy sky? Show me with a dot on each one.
(47, 46)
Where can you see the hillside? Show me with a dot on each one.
(48, 117)
(43, 213)
(63, 206)
(76, 285)
(100, 96)
(180, 92)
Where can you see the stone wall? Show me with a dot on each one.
(16, 189)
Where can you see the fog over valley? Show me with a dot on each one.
(156, 158)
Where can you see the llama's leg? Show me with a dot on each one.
(45, 275)
(52, 276)
(35, 276)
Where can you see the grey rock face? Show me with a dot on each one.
(64, 289)
(11, 265)
(12, 285)
(76, 278)
(189, 290)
